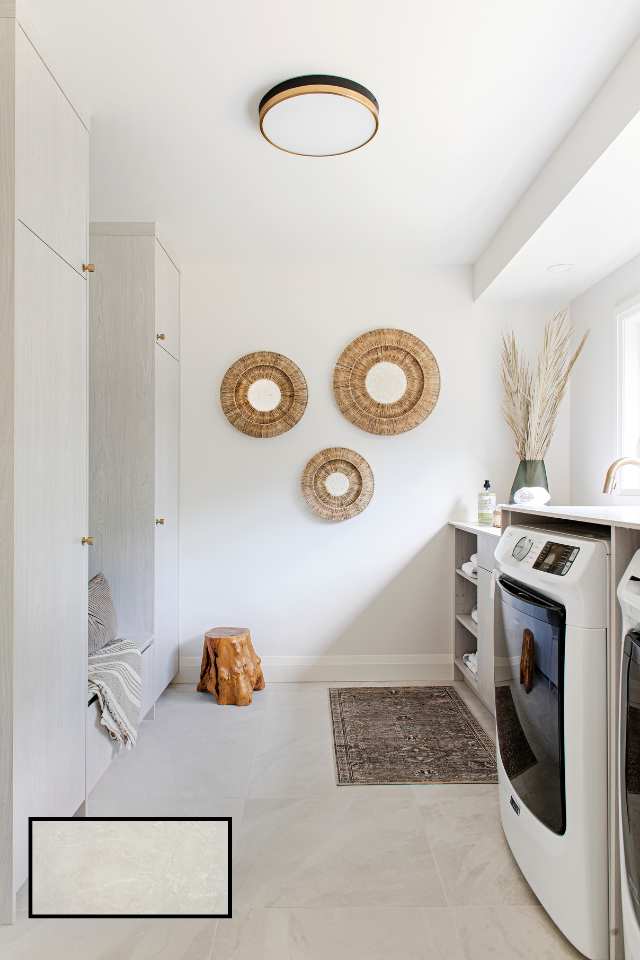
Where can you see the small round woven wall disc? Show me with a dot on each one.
(263, 394)
(386, 381)
(337, 483)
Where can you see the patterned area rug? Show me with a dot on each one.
(408, 735)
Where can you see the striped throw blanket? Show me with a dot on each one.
(114, 676)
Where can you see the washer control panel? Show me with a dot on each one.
(565, 566)
(545, 555)
(556, 558)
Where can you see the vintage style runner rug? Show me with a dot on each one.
(408, 735)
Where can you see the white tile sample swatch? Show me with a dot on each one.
(130, 867)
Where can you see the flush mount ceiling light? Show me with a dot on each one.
(318, 116)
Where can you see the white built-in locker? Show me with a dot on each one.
(44, 177)
(134, 431)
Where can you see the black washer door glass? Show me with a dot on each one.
(630, 764)
(529, 703)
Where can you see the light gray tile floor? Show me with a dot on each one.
(320, 871)
(119, 867)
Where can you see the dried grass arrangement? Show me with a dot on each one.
(532, 397)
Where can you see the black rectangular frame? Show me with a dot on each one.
(131, 916)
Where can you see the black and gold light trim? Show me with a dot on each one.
(318, 115)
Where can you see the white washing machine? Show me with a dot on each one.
(551, 716)
(629, 758)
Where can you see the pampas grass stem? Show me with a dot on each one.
(532, 397)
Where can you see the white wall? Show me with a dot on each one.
(594, 391)
(251, 552)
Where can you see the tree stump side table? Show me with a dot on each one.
(230, 668)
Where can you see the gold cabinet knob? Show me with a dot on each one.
(160, 521)
(161, 336)
(87, 541)
(89, 267)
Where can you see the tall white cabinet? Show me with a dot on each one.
(134, 431)
(44, 173)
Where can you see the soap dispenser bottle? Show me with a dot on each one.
(486, 504)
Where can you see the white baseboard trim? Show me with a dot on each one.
(394, 667)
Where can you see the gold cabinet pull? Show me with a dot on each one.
(87, 541)
(89, 267)
(161, 336)
(160, 521)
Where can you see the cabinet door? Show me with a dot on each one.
(50, 660)
(52, 158)
(485, 640)
(122, 404)
(167, 303)
(165, 654)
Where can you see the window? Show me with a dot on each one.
(629, 394)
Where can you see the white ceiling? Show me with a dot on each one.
(473, 96)
(595, 229)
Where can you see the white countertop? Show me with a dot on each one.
(476, 527)
(608, 516)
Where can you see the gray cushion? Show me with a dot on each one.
(103, 624)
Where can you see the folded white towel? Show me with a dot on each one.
(474, 614)
(470, 660)
(474, 559)
(469, 569)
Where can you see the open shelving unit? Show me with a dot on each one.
(467, 592)
(465, 639)
(468, 675)
(468, 623)
(465, 576)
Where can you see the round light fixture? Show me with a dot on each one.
(318, 116)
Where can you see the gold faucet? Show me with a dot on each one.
(611, 478)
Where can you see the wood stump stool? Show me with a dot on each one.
(230, 668)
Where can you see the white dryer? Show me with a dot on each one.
(551, 716)
(629, 758)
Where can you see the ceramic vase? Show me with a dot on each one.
(530, 486)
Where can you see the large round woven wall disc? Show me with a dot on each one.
(386, 381)
(263, 394)
(337, 483)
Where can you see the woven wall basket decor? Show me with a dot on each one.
(263, 394)
(386, 381)
(337, 483)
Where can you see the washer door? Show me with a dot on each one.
(530, 704)
(630, 763)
